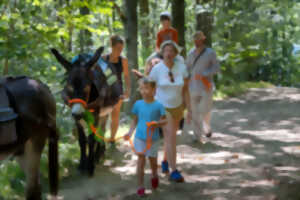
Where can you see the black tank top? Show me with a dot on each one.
(119, 69)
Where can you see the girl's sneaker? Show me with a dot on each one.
(176, 177)
(165, 167)
(141, 192)
(154, 183)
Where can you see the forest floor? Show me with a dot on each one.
(254, 154)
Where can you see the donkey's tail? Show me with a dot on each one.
(53, 161)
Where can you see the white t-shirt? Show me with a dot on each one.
(167, 93)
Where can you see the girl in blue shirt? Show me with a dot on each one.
(145, 111)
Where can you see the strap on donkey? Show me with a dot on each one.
(8, 133)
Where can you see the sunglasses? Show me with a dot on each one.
(171, 76)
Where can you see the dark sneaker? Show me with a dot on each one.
(165, 167)
(209, 134)
(176, 177)
(141, 192)
(154, 182)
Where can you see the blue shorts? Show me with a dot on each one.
(140, 146)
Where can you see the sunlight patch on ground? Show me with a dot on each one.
(217, 158)
(201, 178)
(229, 141)
(217, 191)
(269, 197)
(287, 168)
(291, 149)
(282, 135)
(260, 183)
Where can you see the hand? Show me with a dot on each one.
(153, 124)
(127, 136)
(126, 94)
(189, 116)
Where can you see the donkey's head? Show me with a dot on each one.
(79, 79)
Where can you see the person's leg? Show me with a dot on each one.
(196, 116)
(206, 113)
(140, 170)
(153, 165)
(115, 119)
(154, 179)
(169, 131)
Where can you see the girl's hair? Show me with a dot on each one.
(147, 81)
(164, 17)
(169, 43)
(116, 39)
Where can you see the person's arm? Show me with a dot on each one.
(158, 41)
(162, 121)
(186, 98)
(188, 63)
(214, 65)
(132, 128)
(126, 77)
(175, 36)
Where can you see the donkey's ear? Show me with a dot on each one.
(66, 64)
(95, 58)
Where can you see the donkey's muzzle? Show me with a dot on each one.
(77, 110)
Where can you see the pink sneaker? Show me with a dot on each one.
(154, 182)
(141, 192)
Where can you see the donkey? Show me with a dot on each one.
(27, 119)
(89, 86)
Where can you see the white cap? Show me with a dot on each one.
(170, 42)
(165, 13)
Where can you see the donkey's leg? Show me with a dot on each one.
(82, 144)
(30, 163)
(91, 156)
(100, 146)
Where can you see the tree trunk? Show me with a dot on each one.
(178, 7)
(5, 69)
(70, 29)
(131, 27)
(204, 22)
(145, 28)
(85, 37)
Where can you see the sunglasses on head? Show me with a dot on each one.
(171, 76)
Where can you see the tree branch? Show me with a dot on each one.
(119, 11)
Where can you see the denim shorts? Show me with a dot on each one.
(140, 146)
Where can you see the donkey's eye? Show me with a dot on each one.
(70, 88)
(87, 89)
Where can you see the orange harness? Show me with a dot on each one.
(148, 140)
(205, 81)
(94, 130)
(81, 101)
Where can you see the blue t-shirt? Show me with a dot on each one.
(147, 112)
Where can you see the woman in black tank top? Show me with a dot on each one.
(121, 66)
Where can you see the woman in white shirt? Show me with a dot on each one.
(172, 92)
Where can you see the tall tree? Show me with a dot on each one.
(131, 35)
(145, 28)
(204, 17)
(178, 7)
(85, 37)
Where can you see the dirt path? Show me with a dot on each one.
(254, 154)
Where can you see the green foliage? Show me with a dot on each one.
(253, 40)
(237, 89)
